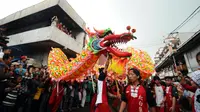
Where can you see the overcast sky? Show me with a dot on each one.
(152, 19)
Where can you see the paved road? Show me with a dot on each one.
(85, 109)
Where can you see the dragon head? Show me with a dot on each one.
(106, 40)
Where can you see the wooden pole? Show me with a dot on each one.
(92, 82)
(57, 87)
(116, 83)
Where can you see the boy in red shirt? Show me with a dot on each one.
(171, 96)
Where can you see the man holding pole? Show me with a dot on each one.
(101, 100)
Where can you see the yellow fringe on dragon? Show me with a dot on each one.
(139, 59)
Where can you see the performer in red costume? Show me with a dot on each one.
(101, 98)
(171, 96)
(56, 97)
(135, 96)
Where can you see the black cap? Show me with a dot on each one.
(5, 48)
(156, 78)
(101, 69)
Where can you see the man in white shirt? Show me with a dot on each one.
(159, 95)
(4, 50)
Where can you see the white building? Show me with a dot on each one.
(183, 57)
(31, 33)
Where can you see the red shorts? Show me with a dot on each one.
(160, 109)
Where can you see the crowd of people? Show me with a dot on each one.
(169, 95)
(27, 88)
(55, 22)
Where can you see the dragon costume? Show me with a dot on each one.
(100, 42)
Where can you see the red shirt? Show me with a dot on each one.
(168, 98)
(113, 90)
(59, 26)
(170, 93)
(190, 88)
(136, 99)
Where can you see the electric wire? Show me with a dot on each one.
(196, 11)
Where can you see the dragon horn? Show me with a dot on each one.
(89, 32)
(98, 31)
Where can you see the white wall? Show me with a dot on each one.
(45, 34)
(31, 36)
(40, 56)
(184, 36)
(191, 55)
(80, 37)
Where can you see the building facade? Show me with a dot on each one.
(178, 54)
(32, 31)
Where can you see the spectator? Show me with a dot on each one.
(36, 71)
(195, 77)
(63, 28)
(66, 31)
(59, 25)
(84, 95)
(37, 88)
(70, 33)
(4, 74)
(6, 50)
(16, 64)
(4, 65)
(45, 94)
(11, 70)
(11, 97)
(20, 71)
(159, 91)
(54, 21)
(23, 60)
(21, 102)
(171, 95)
